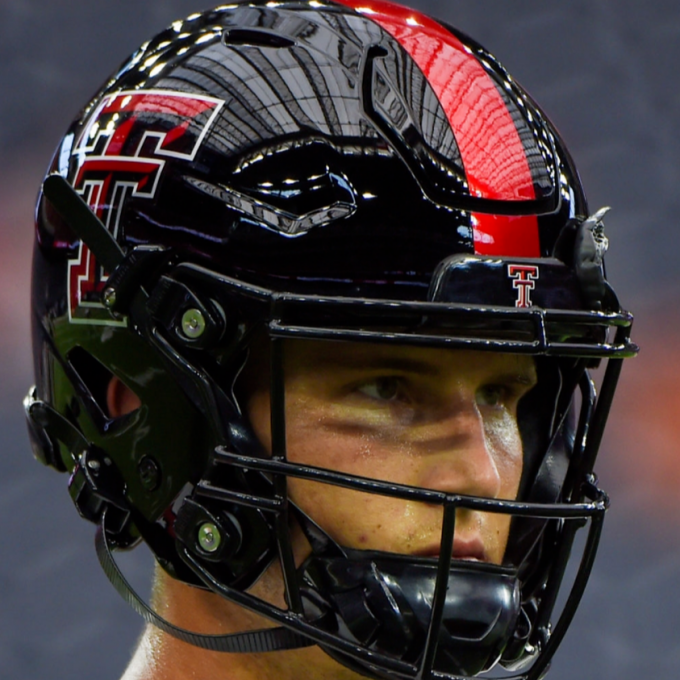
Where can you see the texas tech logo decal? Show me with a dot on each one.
(525, 277)
(121, 154)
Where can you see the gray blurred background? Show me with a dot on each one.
(606, 71)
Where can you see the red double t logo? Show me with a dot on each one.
(525, 276)
(122, 153)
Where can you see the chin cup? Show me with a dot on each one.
(386, 602)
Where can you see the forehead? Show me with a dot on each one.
(317, 357)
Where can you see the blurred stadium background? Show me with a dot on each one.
(606, 71)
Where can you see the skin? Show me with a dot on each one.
(427, 417)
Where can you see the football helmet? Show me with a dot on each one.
(343, 170)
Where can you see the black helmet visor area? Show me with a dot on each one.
(390, 614)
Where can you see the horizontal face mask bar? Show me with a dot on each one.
(598, 505)
(540, 346)
(532, 330)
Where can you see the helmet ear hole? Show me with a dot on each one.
(120, 399)
(104, 395)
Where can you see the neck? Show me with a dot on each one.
(159, 656)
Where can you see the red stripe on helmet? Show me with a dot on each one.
(493, 155)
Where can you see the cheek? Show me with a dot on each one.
(352, 518)
(319, 436)
(333, 436)
(366, 521)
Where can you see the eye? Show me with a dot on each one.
(491, 395)
(383, 389)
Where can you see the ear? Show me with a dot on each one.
(120, 399)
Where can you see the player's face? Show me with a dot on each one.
(434, 418)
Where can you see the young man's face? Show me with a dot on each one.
(434, 418)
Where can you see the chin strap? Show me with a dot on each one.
(251, 642)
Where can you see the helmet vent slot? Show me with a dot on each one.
(255, 37)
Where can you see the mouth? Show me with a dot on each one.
(468, 550)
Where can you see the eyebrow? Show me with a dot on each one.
(520, 377)
(411, 365)
(390, 363)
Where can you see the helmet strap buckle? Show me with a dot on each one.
(97, 486)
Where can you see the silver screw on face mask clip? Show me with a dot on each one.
(193, 323)
(209, 537)
(109, 297)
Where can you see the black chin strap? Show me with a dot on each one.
(266, 640)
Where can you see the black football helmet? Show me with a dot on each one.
(345, 170)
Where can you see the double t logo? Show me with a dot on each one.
(121, 153)
(525, 276)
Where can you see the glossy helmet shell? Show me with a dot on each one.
(296, 147)
(339, 148)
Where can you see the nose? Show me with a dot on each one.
(458, 456)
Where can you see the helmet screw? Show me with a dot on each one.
(193, 323)
(209, 537)
(149, 473)
(109, 297)
(93, 464)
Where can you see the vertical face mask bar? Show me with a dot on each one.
(602, 407)
(583, 573)
(594, 412)
(588, 398)
(575, 471)
(440, 590)
(277, 406)
(591, 413)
